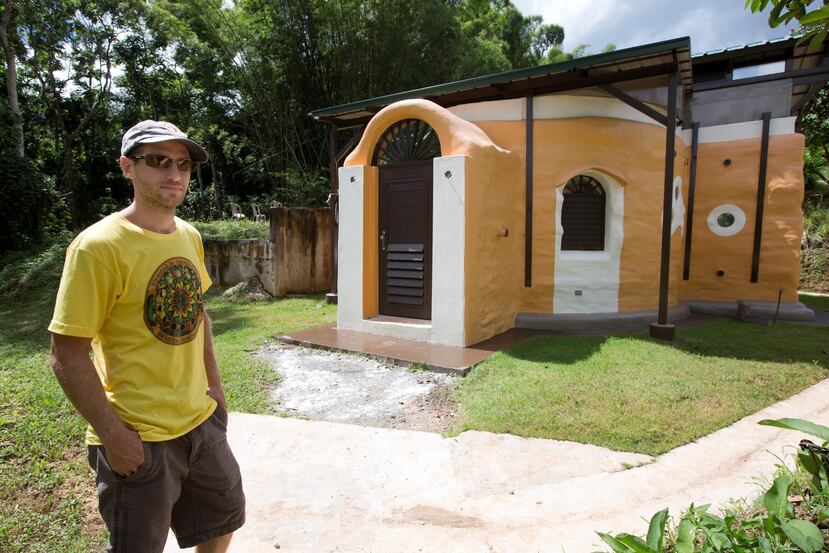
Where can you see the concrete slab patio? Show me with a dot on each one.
(321, 487)
(442, 358)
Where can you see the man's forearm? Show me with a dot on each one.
(211, 367)
(79, 380)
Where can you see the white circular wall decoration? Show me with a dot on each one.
(726, 220)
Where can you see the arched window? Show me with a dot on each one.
(582, 214)
(409, 140)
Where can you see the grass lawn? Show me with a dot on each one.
(637, 394)
(47, 494)
(815, 302)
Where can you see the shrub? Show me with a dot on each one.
(35, 269)
(229, 229)
(814, 255)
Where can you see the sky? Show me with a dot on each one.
(711, 24)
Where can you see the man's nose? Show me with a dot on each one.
(173, 173)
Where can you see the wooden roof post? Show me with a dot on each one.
(661, 329)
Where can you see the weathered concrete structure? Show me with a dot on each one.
(294, 260)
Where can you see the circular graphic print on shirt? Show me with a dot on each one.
(173, 304)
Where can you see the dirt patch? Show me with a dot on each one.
(351, 388)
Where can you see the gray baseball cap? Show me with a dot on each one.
(149, 131)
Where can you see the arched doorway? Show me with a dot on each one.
(404, 155)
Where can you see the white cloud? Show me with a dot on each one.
(711, 24)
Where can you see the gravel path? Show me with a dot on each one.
(351, 388)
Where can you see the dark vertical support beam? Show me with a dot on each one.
(692, 183)
(761, 198)
(528, 220)
(662, 329)
(333, 149)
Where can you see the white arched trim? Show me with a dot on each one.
(588, 282)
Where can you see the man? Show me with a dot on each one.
(132, 289)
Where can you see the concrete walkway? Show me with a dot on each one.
(317, 487)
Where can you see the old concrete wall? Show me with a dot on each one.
(303, 249)
(295, 260)
(230, 262)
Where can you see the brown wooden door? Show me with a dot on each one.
(406, 240)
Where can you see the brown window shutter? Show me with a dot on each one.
(583, 215)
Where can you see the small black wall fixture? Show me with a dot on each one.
(761, 198)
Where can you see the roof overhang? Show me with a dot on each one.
(651, 63)
(808, 71)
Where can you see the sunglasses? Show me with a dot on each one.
(159, 161)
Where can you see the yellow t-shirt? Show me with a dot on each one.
(138, 295)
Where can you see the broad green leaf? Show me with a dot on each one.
(765, 544)
(614, 544)
(823, 514)
(635, 543)
(803, 534)
(770, 526)
(776, 499)
(656, 530)
(799, 424)
(775, 11)
(720, 541)
(774, 15)
(808, 462)
(685, 537)
(815, 45)
(817, 16)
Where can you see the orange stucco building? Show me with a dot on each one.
(628, 187)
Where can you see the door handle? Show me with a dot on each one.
(383, 240)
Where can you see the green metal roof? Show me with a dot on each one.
(737, 47)
(607, 58)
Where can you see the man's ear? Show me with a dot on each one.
(126, 166)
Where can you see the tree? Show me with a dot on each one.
(497, 37)
(68, 61)
(11, 76)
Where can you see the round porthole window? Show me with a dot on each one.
(726, 220)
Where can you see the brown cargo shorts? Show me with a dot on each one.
(191, 484)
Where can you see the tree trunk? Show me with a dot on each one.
(217, 188)
(11, 76)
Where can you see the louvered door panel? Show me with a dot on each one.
(405, 226)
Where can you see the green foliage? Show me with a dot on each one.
(773, 525)
(230, 229)
(625, 543)
(30, 208)
(27, 273)
(800, 425)
(814, 255)
(240, 77)
(784, 11)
